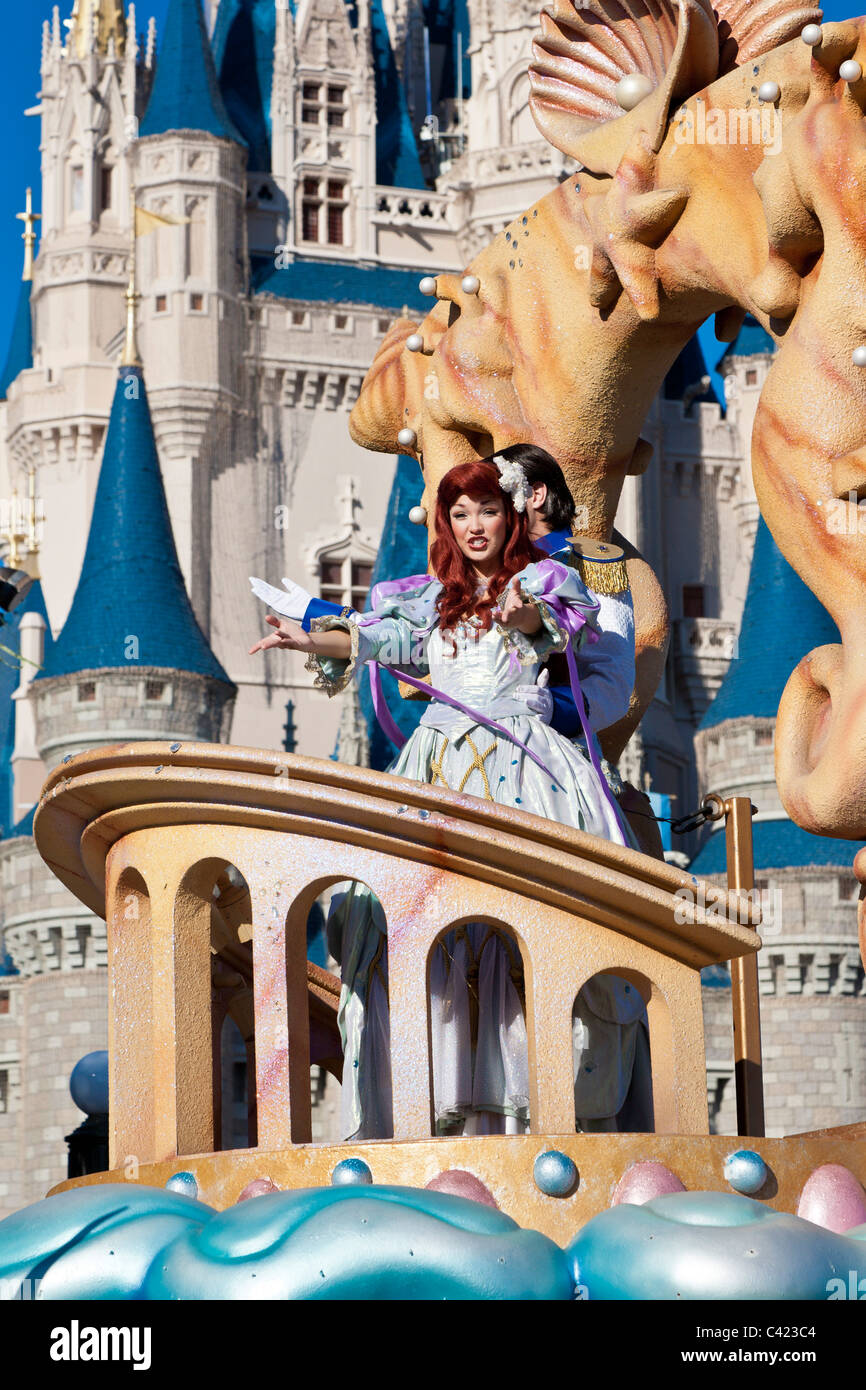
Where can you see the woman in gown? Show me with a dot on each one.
(484, 626)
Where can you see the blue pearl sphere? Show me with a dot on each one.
(88, 1084)
(555, 1173)
(351, 1172)
(184, 1183)
(746, 1171)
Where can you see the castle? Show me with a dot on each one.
(291, 173)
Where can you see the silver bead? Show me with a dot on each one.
(850, 71)
(812, 35)
(769, 91)
(414, 342)
(858, 356)
(470, 284)
(427, 285)
(418, 516)
(407, 438)
(633, 88)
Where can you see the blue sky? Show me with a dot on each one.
(19, 86)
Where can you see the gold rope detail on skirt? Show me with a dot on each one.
(477, 765)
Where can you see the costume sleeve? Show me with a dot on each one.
(565, 718)
(396, 634)
(320, 608)
(559, 594)
(606, 667)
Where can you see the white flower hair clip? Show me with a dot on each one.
(514, 481)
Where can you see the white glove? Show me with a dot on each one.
(292, 601)
(538, 698)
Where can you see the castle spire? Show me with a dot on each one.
(131, 606)
(97, 25)
(131, 356)
(28, 236)
(20, 355)
(186, 94)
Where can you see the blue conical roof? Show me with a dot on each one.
(20, 355)
(186, 94)
(688, 369)
(10, 679)
(402, 551)
(751, 340)
(782, 621)
(397, 162)
(243, 50)
(131, 584)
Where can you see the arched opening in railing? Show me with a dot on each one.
(613, 1078)
(476, 1002)
(355, 938)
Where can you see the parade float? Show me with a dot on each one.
(205, 860)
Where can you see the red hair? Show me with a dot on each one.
(455, 571)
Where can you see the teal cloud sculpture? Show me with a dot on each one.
(361, 1243)
(710, 1245)
(93, 1242)
(128, 1242)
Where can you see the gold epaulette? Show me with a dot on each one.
(600, 564)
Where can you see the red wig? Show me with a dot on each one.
(458, 599)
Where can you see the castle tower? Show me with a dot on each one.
(190, 189)
(88, 104)
(813, 1005)
(130, 663)
(744, 365)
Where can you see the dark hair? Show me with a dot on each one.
(458, 598)
(541, 467)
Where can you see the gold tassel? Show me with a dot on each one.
(607, 577)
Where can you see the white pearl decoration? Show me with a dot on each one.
(470, 284)
(850, 71)
(414, 342)
(769, 91)
(812, 35)
(427, 285)
(633, 88)
(407, 437)
(418, 516)
(858, 356)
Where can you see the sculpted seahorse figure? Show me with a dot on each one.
(585, 300)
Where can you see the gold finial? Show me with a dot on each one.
(93, 24)
(131, 356)
(28, 236)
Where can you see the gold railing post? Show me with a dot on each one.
(748, 1067)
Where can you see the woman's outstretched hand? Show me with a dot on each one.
(513, 612)
(287, 635)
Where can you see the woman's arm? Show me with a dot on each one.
(289, 636)
(514, 613)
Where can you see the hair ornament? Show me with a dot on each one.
(514, 481)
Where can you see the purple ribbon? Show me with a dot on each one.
(380, 709)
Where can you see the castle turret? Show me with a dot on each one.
(814, 1071)
(743, 366)
(131, 661)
